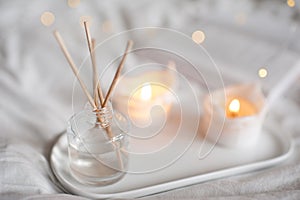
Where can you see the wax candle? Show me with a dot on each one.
(141, 103)
(238, 107)
(233, 116)
(137, 96)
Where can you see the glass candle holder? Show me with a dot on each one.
(97, 146)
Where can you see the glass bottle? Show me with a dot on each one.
(97, 146)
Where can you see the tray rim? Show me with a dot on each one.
(179, 183)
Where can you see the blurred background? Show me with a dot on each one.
(233, 41)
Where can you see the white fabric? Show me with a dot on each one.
(36, 82)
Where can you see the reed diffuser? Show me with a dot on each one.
(96, 135)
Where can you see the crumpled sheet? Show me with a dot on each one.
(36, 95)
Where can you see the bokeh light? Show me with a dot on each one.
(291, 3)
(241, 18)
(262, 72)
(47, 18)
(86, 18)
(73, 3)
(198, 37)
(107, 26)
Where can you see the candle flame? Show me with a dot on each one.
(146, 92)
(234, 106)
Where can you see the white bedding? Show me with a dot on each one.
(36, 84)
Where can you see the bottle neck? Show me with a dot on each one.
(103, 116)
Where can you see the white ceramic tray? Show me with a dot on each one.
(161, 172)
(170, 155)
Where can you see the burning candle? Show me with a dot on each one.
(140, 104)
(238, 107)
(146, 92)
(233, 117)
(233, 108)
(137, 96)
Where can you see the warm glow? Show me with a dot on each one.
(240, 108)
(146, 92)
(198, 37)
(262, 73)
(47, 18)
(234, 106)
(291, 3)
(73, 3)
